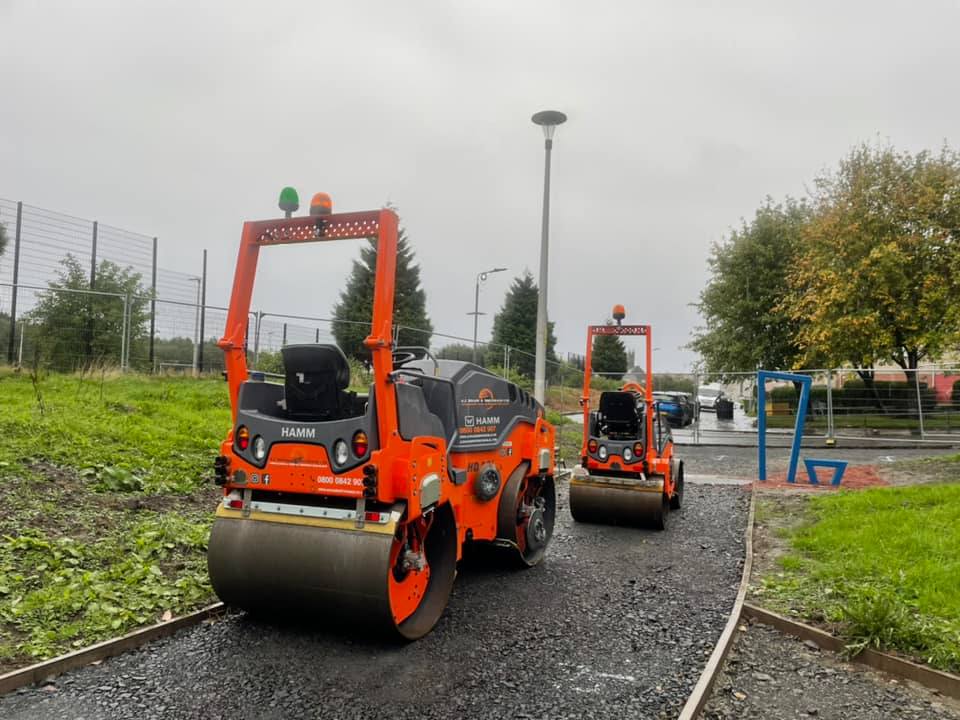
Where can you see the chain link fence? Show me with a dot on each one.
(64, 305)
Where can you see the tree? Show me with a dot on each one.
(3, 238)
(609, 354)
(75, 329)
(748, 322)
(351, 316)
(516, 325)
(877, 276)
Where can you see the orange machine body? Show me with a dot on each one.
(407, 482)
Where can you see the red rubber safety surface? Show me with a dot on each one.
(855, 477)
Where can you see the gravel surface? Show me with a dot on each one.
(742, 461)
(772, 676)
(616, 621)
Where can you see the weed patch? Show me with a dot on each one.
(107, 500)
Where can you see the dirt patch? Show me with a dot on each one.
(52, 473)
(855, 477)
(918, 472)
(202, 499)
(778, 514)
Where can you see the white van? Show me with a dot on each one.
(707, 396)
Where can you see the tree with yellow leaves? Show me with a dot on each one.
(876, 278)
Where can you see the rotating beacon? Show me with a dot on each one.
(358, 506)
(628, 474)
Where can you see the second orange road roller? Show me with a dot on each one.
(358, 505)
(628, 474)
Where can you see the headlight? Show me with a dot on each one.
(602, 452)
(259, 448)
(627, 455)
(341, 453)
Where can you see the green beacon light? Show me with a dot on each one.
(289, 201)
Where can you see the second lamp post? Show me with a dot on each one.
(481, 277)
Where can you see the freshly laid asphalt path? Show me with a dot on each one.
(614, 622)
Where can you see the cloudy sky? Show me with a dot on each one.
(182, 119)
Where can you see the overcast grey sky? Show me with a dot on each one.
(182, 119)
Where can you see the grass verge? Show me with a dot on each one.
(105, 486)
(880, 567)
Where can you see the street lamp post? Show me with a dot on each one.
(481, 277)
(548, 120)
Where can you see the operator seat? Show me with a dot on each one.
(619, 418)
(316, 379)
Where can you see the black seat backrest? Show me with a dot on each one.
(316, 378)
(618, 414)
(439, 396)
(413, 415)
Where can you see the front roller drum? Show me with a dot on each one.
(594, 500)
(388, 582)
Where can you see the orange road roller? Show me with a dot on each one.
(358, 505)
(628, 474)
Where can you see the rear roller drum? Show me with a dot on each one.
(593, 501)
(528, 507)
(396, 581)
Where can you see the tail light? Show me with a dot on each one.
(234, 500)
(369, 481)
(221, 467)
(243, 437)
(592, 446)
(638, 449)
(360, 443)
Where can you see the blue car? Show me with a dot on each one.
(676, 406)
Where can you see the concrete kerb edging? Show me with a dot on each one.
(944, 682)
(701, 691)
(108, 648)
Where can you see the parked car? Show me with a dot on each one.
(677, 406)
(707, 396)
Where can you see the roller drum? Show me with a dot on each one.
(324, 573)
(597, 501)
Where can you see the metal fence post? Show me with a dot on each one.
(23, 327)
(696, 405)
(283, 342)
(203, 312)
(256, 338)
(153, 299)
(16, 280)
(93, 258)
(831, 440)
(916, 382)
(124, 332)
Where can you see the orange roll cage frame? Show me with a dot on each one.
(647, 389)
(381, 224)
